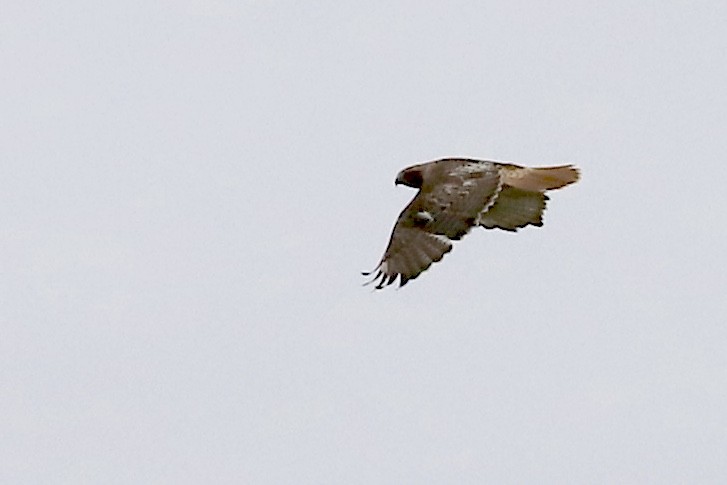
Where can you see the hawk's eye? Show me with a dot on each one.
(413, 178)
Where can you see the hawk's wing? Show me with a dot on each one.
(515, 208)
(448, 205)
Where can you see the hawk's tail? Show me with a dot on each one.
(541, 178)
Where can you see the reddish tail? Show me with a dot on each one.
(540, 179)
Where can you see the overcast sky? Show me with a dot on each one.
(190, 189)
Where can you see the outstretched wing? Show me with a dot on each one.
(411, 250)
(515, 208)
(448, 205)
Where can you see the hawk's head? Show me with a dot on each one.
(411, 177)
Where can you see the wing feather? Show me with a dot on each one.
(515, 208)
(410, 252)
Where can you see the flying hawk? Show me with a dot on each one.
(456, 194)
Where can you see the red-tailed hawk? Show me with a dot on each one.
(454, 195)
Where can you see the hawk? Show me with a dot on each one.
(456, 194)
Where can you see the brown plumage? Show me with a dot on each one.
(456, 194)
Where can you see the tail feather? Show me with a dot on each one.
(541, 178)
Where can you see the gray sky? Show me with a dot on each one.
(189, 190)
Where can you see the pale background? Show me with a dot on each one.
(189, 190)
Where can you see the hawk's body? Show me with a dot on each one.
(455, 195)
